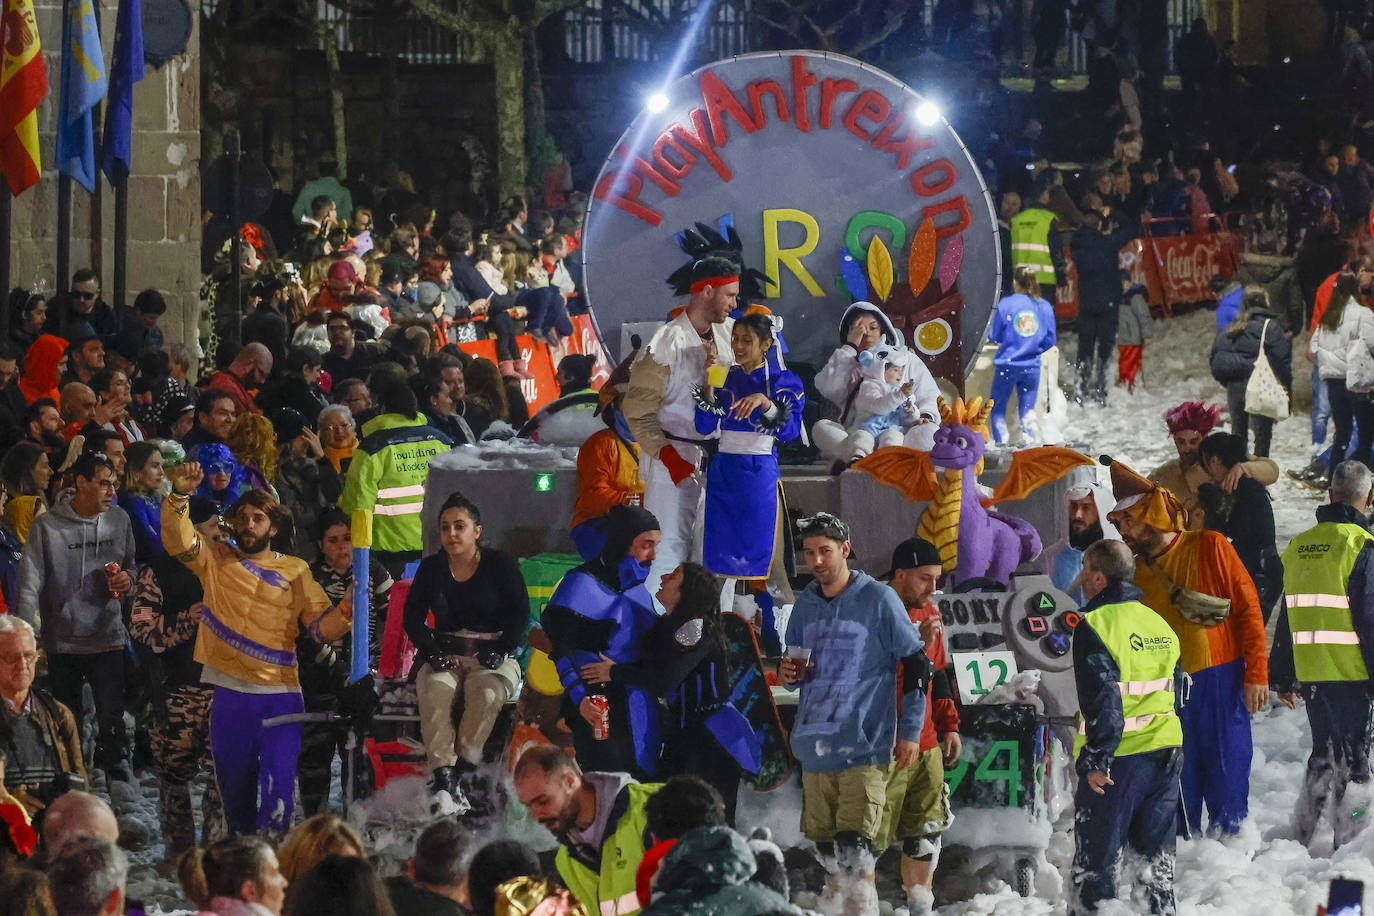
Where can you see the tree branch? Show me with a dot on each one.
(894, 22)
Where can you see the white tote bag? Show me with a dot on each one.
(1265, 396)
(1359, 367)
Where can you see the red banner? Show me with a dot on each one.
(542, 361)
(1176, 270)
(584, 341)
(537, 391)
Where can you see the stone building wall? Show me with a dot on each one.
(164, 185)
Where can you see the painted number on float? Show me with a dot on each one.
(990, 769)
(981, 672)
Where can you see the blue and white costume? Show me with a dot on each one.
(742, 482)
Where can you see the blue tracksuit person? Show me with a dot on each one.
(1023, 329)
(1129, 749)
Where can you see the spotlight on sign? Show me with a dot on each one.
(656, 102)
(928, 113)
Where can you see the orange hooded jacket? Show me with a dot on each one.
(42, 368)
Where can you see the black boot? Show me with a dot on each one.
(444, 779)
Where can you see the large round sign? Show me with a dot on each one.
(843, 183)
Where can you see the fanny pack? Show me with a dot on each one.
(1193, 606)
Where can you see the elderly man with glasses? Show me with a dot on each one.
(40, 740)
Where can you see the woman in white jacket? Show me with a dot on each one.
(863, 327)
(1345, 324)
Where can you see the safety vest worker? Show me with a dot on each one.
(1127, 667)
(1030, 243)
(1324, 647)
(385, 489)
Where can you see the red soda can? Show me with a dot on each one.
(112, 569)
(601, 728)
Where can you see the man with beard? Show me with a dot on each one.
(255, 602)
(1197, 583)
(246, 373)
(598, 820)
(601, 609)
(43, 422)
(918, 810)
(660, 409)
(1189, 423)
(1089, 503)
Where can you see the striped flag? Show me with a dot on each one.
(23, 83)
(83, 86)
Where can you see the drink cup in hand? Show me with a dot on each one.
(715, 375)
(799, 663)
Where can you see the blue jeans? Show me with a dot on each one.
(1321, 408)
(1025, 381)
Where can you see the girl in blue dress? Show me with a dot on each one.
(759, 404)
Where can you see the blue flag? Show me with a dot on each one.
(83, 85)
(126, 68)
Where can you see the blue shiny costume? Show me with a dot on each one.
(742, 482)
(599, 608)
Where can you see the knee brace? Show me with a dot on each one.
(851, 850)
(922, 848)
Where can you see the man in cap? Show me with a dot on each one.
(1325, 643)
(661, 409)
(1089, 502)
(1129, 744)
(849, 734)
(1197, 583)
(917, 809)
(1189, 423)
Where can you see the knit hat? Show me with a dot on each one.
(343, 270)
(622, 525)
(1143, 499)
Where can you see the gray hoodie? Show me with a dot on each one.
(62, 590)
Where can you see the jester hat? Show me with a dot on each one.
(1143, 499)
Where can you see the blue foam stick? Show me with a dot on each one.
(361, 580)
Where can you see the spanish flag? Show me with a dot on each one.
(23, 83)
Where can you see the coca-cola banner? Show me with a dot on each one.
(1176, 270)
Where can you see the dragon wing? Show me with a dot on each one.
(907, 469)
(1034, 467)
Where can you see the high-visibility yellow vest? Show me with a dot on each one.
(1316, 569)
(1146, 651)
(1030, 242)
(611, 892)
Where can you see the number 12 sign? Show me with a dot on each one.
(980, 672)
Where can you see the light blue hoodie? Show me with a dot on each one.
(847, 715)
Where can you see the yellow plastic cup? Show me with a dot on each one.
(715, 375)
